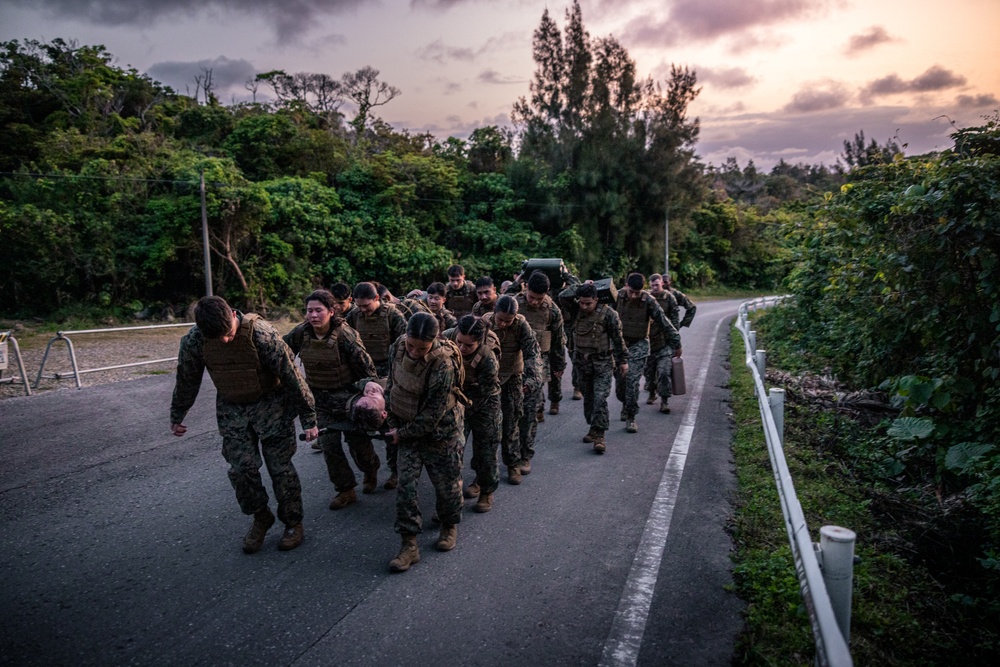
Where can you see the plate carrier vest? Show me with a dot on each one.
(235, 367)
(324, 365)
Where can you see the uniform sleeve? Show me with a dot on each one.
(190, 369)
(660, 320)
(532, 354)
(397, 324)
(557, 352)
(358, 359)
(689, 308)
(278, 358)
(293, 339)
(440, 383)
(613, 324)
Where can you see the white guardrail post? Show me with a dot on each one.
(6, 338)
(825, 571)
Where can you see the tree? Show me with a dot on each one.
(367, 92)
(857, 154)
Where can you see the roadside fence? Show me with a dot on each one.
(8, 343)
(64, 337)
(825, 570)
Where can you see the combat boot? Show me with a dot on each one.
(292, 537)
(663, 407)
(599, 443)
(590, 435)
(577, 394)
(408, 555)
(371, 481)
(471, 491)
(554, 410)
(540, 415)
(525, 467)
(513, 475)
(622, 416)
(630, 426)
(447, 538)
(262, 522)
(391, 483)
(316, 445)
(485, 503)
(343, 499)
(652, 398)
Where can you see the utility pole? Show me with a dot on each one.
(666, 244)
(204, 238)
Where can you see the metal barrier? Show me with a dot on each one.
(63, 336)
(5, 338)
(825, 570)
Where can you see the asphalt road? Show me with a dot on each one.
(120, 544)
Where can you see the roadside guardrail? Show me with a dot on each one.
(9, 342)
(825, 570)
(64, 337)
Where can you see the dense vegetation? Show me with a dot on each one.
(101, 166)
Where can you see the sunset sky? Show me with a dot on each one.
(785, 79)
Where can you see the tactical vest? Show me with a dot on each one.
(324, 365)
(590, 334)
(490, 345)
(409, 377)
(460, 301)
(374, 332)
(409, 307)
(235, 366)
(479, 308)
(635, 321)
(540, 319)
(658, 339)
(511, 356)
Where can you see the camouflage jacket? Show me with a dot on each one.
(352, 350)
(687, 304)
(528, 344)
(557, 349)
(274, 355)
(656, 316)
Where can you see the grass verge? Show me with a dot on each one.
(904, 613)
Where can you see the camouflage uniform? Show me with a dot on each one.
(546, 322)
(479, 309)
(446, 319)
(637, 315)
(598, 348)
(378, 331)
(429, 424)
(349, 363)
(483, 419)
(659, 367)
(519, 376)
(687, 304)
(269, 418)
(407, 307)
(460, 301)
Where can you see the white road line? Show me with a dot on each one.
(625, 639)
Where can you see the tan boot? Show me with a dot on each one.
(590, 436)
(292, 537)
(485, 503)
(540, 415)
(447, 538)
(554, 410)
(652, 398)
(370, 482)
(577, 395)
(630, 426)
(391, 483)
(408, 555)
(343, 499)
(471, 491)
(262, 522)
(599, 443)
(525, 466)
(513, 475)
(663, 406)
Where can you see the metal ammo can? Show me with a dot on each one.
(553, 267)
(607, 293)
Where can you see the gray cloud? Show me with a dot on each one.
(493, 76)
(439, 52)
(868, 40)
(824, 98)
(291, 18)
(934, 79)
(705, 20)
(725, 77)
(226, 73)
(977, 101)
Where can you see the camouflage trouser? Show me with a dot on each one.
(627, 388)
(443, 461)
(659, 372)
(595, 375)
(528, 425)
(484, 422)
(271, 421)
(512, 406)
(331, 407)
(555, 383)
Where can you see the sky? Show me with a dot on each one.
(780, 79)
